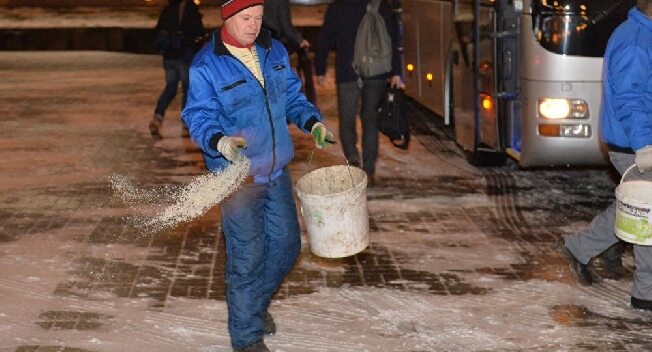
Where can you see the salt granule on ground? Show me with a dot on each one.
(188, 202)
(129, 193)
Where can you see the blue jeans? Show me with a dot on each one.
(263, 241)
(175, 70)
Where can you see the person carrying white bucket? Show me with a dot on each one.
(242, 95)
(626, 128)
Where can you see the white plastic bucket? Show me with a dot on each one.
(334, 208)
(634, 211)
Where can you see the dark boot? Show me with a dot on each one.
(258, 346)
(613, 261)
(269, 327)
(580, 270)
(155, 125)
(641, 304)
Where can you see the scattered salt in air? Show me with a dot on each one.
(187, 202)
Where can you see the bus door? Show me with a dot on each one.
(506, 39)
(474, 83)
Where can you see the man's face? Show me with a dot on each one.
(244, 26)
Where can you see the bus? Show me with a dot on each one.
(513, 78)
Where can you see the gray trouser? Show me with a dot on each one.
(600, 235)
(349, 102)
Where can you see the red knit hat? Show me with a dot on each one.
(231, 7)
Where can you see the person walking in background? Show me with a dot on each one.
(278, 20)
(179, 33)
(626, 127)
(242, 94)
(339, 30)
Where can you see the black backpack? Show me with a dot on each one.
(392, 120)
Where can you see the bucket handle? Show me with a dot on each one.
(626, 172)
(312, 153)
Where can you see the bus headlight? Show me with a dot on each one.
(559, 108)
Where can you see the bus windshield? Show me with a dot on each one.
(577, 27)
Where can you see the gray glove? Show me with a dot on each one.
(643, 158)
(230, 147)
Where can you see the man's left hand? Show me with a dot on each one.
(323, 138)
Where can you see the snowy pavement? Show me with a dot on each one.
(461, 259)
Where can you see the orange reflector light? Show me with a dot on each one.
(486, 101)
(549, 130)
(410, 67)
(429, 76)
(485, 67)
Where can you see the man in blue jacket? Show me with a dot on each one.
(242, 94)
(626, 123)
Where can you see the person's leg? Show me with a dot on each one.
(348, 98)
(613, 261)
(305, 65)
(600, 235)
(283, 235)
(172, 78)
(372, 94)
(184, 72)
(596, 239)
(246, 250)
(642, 289)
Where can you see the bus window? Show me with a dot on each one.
(580, 28)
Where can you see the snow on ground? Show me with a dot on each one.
(514, 315)
(345, 319)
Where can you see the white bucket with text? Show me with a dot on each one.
(634, 211)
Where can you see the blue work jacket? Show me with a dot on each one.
(626, 114)
(225, 99)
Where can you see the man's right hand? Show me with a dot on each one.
(230, 147)
(643, 158)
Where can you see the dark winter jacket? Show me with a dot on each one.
(277, 19)
(176, 40)
(626, 114)
(225, 99)
(339, 30)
